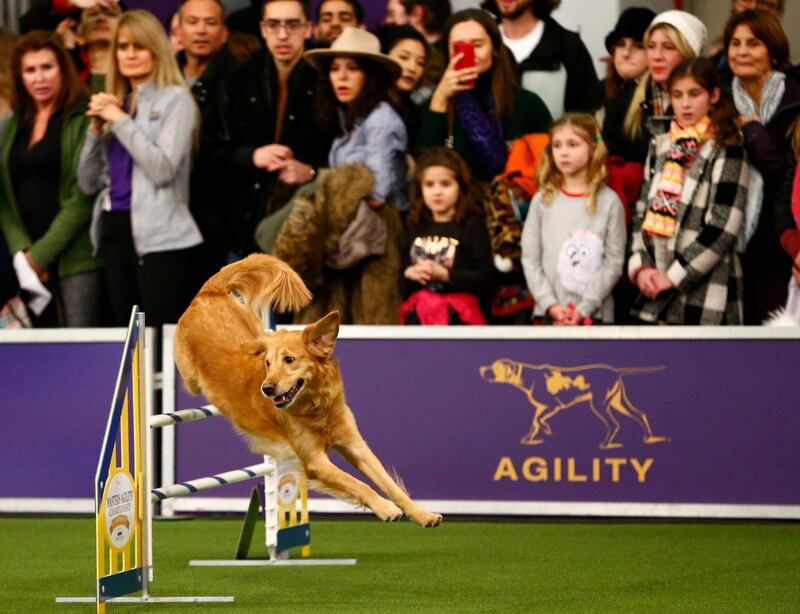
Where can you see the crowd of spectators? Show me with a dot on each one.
(463, 167)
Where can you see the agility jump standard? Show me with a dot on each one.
(123, 516)
(123, 513)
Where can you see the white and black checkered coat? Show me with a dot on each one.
(700, 258)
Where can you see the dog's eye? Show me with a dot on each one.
(288, 360)
(267, 363)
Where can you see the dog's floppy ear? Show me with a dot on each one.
(320, 337)
(254, 348)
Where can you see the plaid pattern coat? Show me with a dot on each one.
(700, 258)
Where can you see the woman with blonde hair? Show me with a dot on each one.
(643, 108)
(573, 241)
(138, 153)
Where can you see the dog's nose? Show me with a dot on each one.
(268, 390)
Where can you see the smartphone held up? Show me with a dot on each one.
(467, 51)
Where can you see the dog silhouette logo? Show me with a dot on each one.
(551, 389)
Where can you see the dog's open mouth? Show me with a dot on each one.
(283, 401)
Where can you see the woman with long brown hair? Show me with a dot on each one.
(352, 104)
(477, 109)
(44, 215)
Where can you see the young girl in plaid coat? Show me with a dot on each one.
(692, 209)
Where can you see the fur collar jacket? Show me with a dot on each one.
(366, 293)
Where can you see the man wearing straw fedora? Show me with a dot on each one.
(271, 143)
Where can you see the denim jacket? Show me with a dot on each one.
(379, 141)
(159, 139)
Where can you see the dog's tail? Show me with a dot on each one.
(262, 281)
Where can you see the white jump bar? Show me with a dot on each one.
(214, 481)
(184, 415)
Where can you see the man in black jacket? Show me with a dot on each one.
(205, 63)
(272, 142)
(552, 61)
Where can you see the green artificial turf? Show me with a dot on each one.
(461, 566)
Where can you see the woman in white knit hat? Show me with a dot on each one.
(672, 37)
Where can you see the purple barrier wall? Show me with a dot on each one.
(54, 402)
(723, 416)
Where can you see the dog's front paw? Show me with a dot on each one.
(387, 511)
(430, 520)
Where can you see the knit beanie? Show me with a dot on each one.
(689, 26)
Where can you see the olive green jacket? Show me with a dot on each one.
(67, 239)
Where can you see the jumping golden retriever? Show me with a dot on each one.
(282, 390)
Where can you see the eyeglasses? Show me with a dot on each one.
(292, 26)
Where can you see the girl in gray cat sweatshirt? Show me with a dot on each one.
(573, 241)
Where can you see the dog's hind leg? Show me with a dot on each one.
(609, 443)
(364, 459)
(619, 400)
(602, 419)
